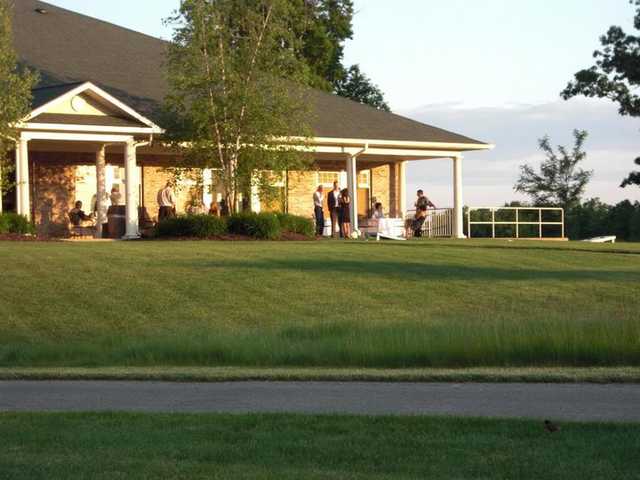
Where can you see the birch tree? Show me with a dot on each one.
(235, 91)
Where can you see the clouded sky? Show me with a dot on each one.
(490, 69)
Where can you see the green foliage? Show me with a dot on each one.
(594, 218)
(633, 178)
(560, 182)
(297, 224)
(615, 75)
(14, 223)
(265, 226)
(232, 69)
(358, 87)
(323, 26)
(192, 226)
(15, 91)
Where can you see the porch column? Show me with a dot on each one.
(101, 190)
(352, 185)
(131, 189)
(22, 179)
(402, 188)
(458, 231)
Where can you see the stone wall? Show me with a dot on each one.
(53, 189)
(300, 186)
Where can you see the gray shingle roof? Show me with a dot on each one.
(66, 47)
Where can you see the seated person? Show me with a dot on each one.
(418, 221)
(79, 218)
(378, 213)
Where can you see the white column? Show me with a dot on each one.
(131, 189)
(352, 185)
(22, 179)
(458, 231)
(402, 188)
(101, 190)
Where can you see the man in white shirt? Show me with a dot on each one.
(318, 202)
(166, 202)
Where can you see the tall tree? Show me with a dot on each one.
(633, 178)
(324, 26)
(232, 72)
(358, 87)
(560, 181)
(616, 73)
(15, 92)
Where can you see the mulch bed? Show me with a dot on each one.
(14, 237)
(286, 237)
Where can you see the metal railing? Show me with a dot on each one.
(540, 222)
(437, 224)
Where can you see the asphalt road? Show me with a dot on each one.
(555, 401)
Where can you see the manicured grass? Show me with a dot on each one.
(310, 304)
(233, 374)
(141, 446)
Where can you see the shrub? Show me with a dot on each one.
(257, 225)
(14, 223)
(199, 226)
(296, 224)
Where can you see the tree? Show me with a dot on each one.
(633, 178)
(358, 87)
(615, 75)
(324, 26)
(15, 93)
(559, 182)
(234, 91)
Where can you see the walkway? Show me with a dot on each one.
(556, 401)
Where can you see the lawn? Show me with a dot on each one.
(136, 446)
(310, 304)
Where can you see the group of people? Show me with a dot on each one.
(339, 206)
(79, 218)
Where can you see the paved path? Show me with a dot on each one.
(556, 401)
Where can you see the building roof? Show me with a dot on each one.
(68, 48)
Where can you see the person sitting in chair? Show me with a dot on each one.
(78, 217)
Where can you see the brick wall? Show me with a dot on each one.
(381, 186)
(53, 189)
(301, 186)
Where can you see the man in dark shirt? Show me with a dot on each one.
(78, 217)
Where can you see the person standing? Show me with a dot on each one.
(423, 201)
(345, 213)
(166, 202)
(318, 202)
(116, 197)
(333, 202)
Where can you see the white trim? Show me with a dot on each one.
(88, 86)
(379, 151)
(392, 143)
(86, 128)
(76, 137)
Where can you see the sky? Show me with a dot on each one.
(489, 69)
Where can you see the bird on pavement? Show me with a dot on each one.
(551, 427)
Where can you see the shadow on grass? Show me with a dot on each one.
(413, 270)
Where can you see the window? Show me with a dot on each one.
(363, 179)
(326, 179)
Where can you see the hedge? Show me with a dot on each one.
(296, 224)
(258, 225)
(194, 226)
(16, 224)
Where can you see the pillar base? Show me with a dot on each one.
(131, 237)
